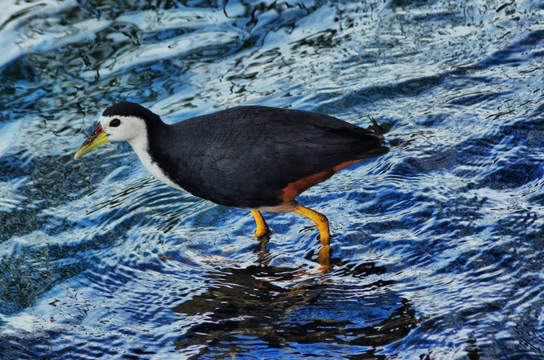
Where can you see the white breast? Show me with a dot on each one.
(140, 146)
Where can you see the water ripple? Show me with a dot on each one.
(436, 247)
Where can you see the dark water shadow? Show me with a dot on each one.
(271, 312)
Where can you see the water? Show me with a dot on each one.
(437, 247)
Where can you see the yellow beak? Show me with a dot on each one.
(97, 138)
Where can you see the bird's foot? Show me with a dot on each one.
(261, 231)
(324, 258)
(262, 228)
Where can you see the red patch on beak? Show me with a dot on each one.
(97, 130)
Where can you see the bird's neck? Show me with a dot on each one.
(141, 147)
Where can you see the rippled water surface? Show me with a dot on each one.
(437, 247)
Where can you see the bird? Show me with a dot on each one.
(257, 158)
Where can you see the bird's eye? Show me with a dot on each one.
(115, 123)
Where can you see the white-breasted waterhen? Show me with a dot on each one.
(250, 157)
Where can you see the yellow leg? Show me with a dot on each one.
(319, 219)
(262, 228)
(324, 256)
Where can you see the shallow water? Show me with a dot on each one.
(437, 247)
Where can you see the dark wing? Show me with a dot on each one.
(245, 157)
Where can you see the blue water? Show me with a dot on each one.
(437, 247)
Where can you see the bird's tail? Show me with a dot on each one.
(378, 130)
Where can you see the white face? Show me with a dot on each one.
(133, 130)
(123, 128)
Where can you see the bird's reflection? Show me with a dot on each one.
(267, 307)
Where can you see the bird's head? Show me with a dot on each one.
(124, 121)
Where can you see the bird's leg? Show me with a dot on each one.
(323, 256)
(319, 219)
(262, 228)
